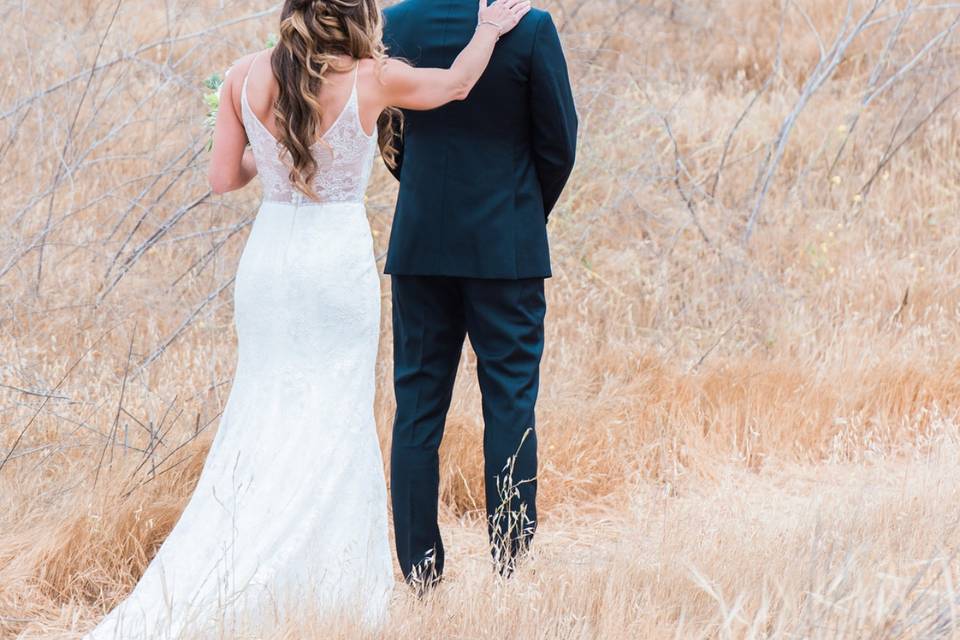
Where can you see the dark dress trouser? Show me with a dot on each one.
(504, 320)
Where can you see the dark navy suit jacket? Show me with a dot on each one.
(479, 177)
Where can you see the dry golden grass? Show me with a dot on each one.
(740, 439)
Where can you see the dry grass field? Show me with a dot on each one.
(751, 389)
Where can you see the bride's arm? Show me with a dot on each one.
(421, 89)
(231, 163)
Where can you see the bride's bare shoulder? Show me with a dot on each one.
(236, 72)
(241, 66)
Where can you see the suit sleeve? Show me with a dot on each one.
(554, 114)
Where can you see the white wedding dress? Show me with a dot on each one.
(290, 507)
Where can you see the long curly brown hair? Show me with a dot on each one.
(315, 36)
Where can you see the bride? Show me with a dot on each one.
(290, 508)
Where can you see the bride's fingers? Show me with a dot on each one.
(520, 10)
(511, 11)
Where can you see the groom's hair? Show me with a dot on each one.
(314, 36)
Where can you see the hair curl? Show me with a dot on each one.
(315, 35)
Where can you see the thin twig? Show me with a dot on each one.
(69, 139)
(733, 132)
(116, 418)
(892, 151)
(149, 242)
(821, 72)
(678, 166)
(183, 326)
(42, 394)
(126, 57)
(19, 438)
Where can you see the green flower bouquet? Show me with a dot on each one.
(212, 99)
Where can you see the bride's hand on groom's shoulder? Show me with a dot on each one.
(424, 88)
(503, 14)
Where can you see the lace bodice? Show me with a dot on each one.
(344, 156)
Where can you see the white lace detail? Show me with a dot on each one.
(344, 156)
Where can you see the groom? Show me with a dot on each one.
(468, 256)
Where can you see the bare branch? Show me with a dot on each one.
(183, 325)
(134, 55)
(678, 167)
(821, 72)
